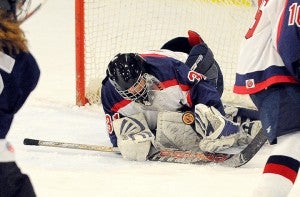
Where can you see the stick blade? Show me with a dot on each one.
(28, 141)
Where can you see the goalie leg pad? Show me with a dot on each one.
(218, 133)
(173, 133)
(134, 137)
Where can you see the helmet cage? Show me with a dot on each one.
(143, 91)
(137, 92)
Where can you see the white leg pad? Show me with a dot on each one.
(173, 133)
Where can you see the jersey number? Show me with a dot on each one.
(294, 17)
(193, 75)
(258, 14)
(109, 121)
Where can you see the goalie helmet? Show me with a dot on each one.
(16, 8)
(127, 73)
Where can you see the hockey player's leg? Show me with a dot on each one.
(279, 109)
(281, 169)
(12, 181)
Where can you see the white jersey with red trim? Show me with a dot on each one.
(181, 89)
(261, 62)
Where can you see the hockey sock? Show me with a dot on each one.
(281, 169)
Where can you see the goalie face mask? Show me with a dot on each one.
(143, 91)
(127, 73)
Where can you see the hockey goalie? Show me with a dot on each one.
(170, 99)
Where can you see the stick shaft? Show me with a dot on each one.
(32, 12)
(35, 142)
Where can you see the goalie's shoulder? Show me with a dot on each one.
(110, 98)
(107, 87)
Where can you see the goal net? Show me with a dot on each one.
(107, 27)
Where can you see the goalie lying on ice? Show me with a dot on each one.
(145, 97)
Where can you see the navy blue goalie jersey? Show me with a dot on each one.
(181, 90)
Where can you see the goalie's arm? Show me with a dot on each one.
(114, 107)
(200, 90)
(112, 102)
(205, 93)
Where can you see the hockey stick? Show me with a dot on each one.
(174, 156)
(35, 142)
(171, 155)
(229, 160)
(248, 153)
(188, 157)
(32, 12)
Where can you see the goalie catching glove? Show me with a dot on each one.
(217, 132)
(134, 137)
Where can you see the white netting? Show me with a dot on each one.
(114, 26)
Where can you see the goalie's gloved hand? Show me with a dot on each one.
(252, 127)
(217, 132)
(12, 181)
(240, 115)
(134, 137)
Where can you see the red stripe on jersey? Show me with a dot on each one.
(279, 27)
(119, 105)
(262, 85)
(174, 82)
(165, 84)
(281, 170)
(169, 83)
(184, 87)
(152, 55)
(189, 99)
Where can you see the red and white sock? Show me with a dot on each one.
(281, 169)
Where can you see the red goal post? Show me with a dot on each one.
(80, 59)
(107, 27)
